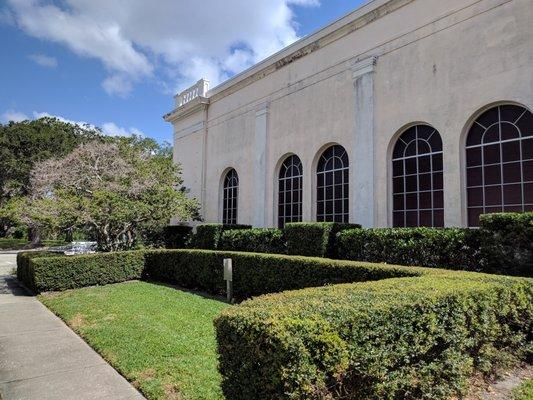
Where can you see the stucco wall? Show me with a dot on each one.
(438, 62)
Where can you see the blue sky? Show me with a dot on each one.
(117, 64)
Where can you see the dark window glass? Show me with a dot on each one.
(498, 172)
(332, 185)
(417, 181)
(290, 191)
(230, 197)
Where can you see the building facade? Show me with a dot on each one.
(402, 113)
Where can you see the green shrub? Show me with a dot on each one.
(207, 236)
(257, 274)
(59, 272)
(452, 248)
(408, 338)
(23, 264)
(317, 239)
(254, 240)
(507, 244)
(176, 236)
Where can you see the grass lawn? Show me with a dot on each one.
(161, 339)
(524, 391)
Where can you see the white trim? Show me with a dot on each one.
(189, 130)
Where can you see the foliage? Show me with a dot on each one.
(314, 238)
(408, 338)
(43, 272)
(118, 188)
(257, 274)
(452, 248)
(161, 339)
(207, 236)
(24, 144)
(254, 240)
(18, 244)
(524, 391)
(507, 246)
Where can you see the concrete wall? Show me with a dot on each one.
(438, 62)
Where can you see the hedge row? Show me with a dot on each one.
(44, 271)
(253, 240)
(407, 338)
(257, 274)
(503, 244)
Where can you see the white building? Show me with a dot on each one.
(402, 113)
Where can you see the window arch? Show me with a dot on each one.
(499, 162)
(290, 191)
(230, 197)
(417, 178)
(332, 185)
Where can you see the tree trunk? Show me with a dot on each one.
(34, 235)
(69, 235)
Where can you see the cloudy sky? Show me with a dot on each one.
(116, 64)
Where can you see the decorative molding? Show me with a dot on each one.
(361, 67)
(192, 107)
(189, 130)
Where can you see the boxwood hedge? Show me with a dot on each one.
(207, 236)
(254, 240)
(44, 271)
(400, 338)
(316, 239)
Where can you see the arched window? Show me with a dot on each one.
(230, 197)
(332, 185)
(499, 162)
(290, 191)
(417, 191)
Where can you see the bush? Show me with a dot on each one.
(453, 248)
(257, 274)
(507, 244)
(408, 338)
(207, 236)
(176, 236)
(253, 240)
(45, 272)
(317, 239)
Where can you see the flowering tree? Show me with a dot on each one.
(116, 188)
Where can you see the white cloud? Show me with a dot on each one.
(43, 60)
(12, 115)
(108, 128)
(177, 38)
(111, 129)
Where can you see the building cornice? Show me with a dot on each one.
(192, 107)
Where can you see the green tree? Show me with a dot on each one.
(117, 187)
(23, 144)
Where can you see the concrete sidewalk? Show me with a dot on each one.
(41, 358)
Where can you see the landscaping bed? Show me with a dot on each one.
(161, 339)
(353, 330)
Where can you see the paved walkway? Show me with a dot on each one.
(41, 358)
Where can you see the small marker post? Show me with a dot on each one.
(228, 277)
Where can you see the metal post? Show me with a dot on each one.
(228, 277)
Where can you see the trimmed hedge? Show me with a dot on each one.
(207, 236)
(42, 271)
(408, 338)
(254, 240)
(176, 236)
(507, 245)
(317, 239)
(257, 274)
(452, 248)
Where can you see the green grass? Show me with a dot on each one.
(161, 339)
(524, 391)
